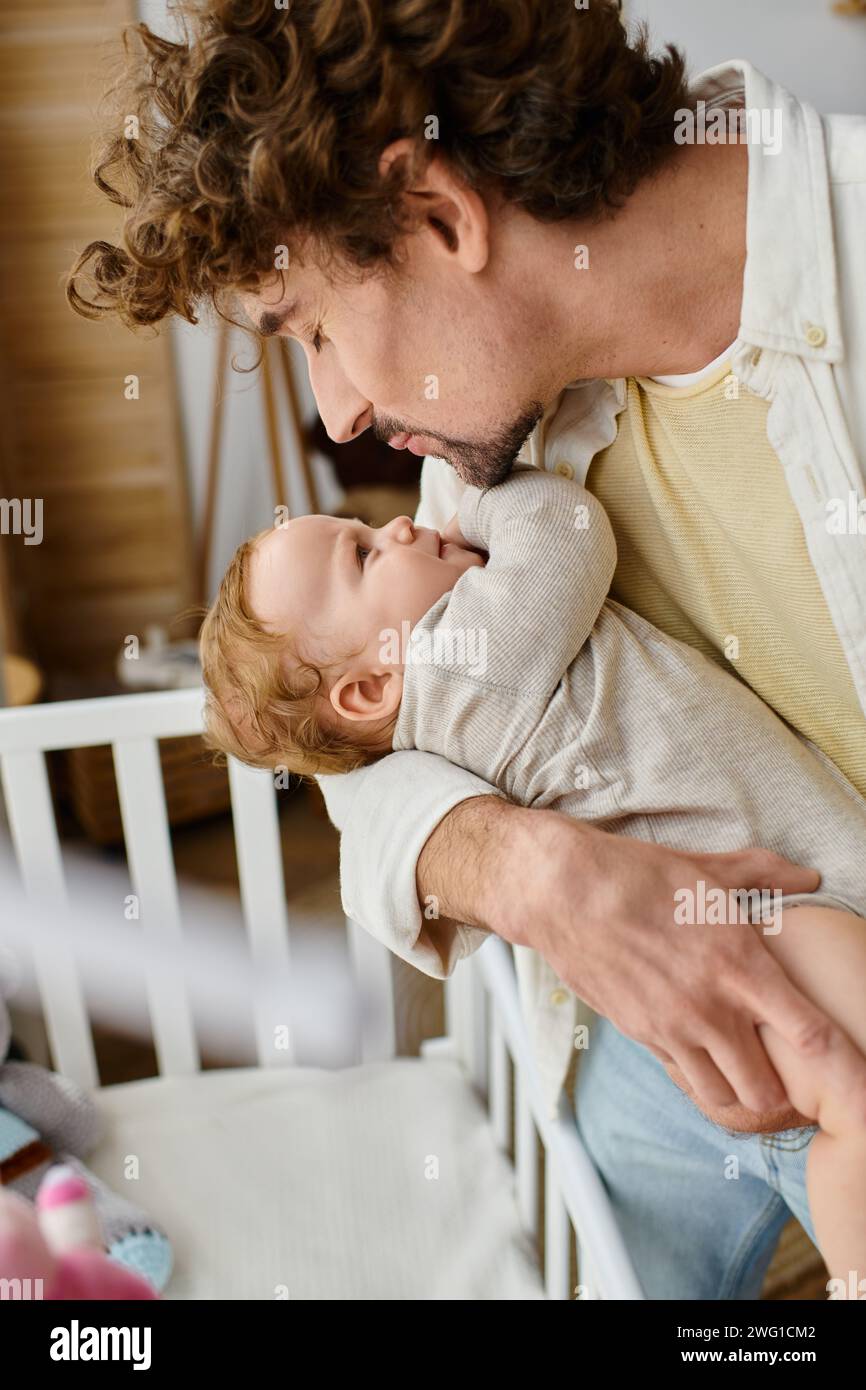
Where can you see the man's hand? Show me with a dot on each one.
(600, 909)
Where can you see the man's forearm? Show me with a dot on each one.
(471, 866)
(599, 908)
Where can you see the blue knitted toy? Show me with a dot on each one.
(46, 1119)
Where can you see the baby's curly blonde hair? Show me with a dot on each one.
(263, 702)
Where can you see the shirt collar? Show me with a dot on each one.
(790, 292)
(790, 296)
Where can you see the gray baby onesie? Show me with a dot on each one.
(529, 676)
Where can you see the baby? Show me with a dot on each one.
(332, 643)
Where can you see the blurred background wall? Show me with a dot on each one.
(810, 46)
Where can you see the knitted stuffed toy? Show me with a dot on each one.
(46, 1119)
(54, 1250)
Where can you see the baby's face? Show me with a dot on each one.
(338, 585)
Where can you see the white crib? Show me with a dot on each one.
(331, 1172)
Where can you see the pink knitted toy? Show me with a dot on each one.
(54, 1250)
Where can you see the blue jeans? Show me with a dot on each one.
(697, 1223)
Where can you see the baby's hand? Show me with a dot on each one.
(452, 535)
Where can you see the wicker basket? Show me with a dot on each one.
(194, 787)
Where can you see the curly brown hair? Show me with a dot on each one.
(263, 127)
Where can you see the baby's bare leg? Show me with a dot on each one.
(823, 951)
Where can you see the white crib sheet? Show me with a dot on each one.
(316, 1182)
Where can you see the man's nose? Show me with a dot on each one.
(344, 423)
(345, 413)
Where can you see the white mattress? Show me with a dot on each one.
(315, 1183)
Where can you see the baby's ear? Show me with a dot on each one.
(374, 695)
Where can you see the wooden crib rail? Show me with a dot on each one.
(132, 725)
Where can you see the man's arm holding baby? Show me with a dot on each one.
(433, 859)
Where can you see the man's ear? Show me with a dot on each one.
(368, 696)
(455, 214)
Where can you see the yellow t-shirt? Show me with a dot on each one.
(712, 551)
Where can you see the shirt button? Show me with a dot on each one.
(564, 469)
(558, 996)
(815, 335)
(756, 357)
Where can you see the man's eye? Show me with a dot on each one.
(362, 554)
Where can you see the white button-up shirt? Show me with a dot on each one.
(802, 346)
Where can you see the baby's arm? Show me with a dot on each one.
(552, 558)
(823, 951)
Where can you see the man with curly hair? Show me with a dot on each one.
(507, 231)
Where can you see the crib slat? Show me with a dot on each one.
(587, 1282)
(37, 848)
(151, 867)
(557, 1235)
(263, 900)
(525, 1156)
(499, 1079)
(581, 1191)
(465, 1019)
(457, 1012)
(374, 982)
(477, 1026)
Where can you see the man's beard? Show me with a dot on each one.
(485, 465)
